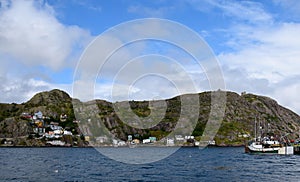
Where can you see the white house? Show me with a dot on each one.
(38, 115)
(179, 138)
(121, 143)
(58, 132)
(67, 132)
(170, 142)
(145, 141)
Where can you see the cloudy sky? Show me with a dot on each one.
(256, 43)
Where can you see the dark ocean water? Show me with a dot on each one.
(187, 164)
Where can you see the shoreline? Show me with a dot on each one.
(139, 146)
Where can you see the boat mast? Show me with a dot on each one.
(255, 130)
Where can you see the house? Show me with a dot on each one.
(152, 139)
(39, 123)
(136, 141)
(26, 115)
(145, 141)
(67, 132)
(115, 142)
(38, 115)
(170, 142)
(121, 143)
(58, 132)
(87, 138)
(55, 127)
(54, 123)
(179, 138)
(40, 130)
(211, 142)
(189, 137)
(129, 138)
(50, 134)
(101, 139)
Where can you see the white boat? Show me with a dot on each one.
(262, 147)
(268, 145)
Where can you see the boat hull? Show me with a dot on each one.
(261, 151)
(297, 150)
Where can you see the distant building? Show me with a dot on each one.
(39, 130)
(101, 139)
(152, 139)
(211, 142)
(58, 132)
(189, 137)
(87, 138)
(115, 142)
(55, 127)
(121, 143)
(129, 138)
(179, 138)
(38, 115)
(145, 141)
(170, 142)
(39, 123)
(54, 123)
(26, 115)
(67, 132)
(136, 141)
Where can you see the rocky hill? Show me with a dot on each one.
(237, 125)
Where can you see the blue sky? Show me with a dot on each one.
(257, 44)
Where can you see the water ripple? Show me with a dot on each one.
(187, 164)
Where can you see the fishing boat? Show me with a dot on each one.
(268, 144)
(263, 146)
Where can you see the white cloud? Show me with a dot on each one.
(264, 58)
(165, 62)
(271, 53)
(21, 90)
(31, 34)
(287, 93)
(262, 47)
(34, 44)
(290, 9)
(249, 11)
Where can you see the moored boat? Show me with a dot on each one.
(260, 147)
(268, 144)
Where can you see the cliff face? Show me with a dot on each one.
(243, 110)
(237, 126)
